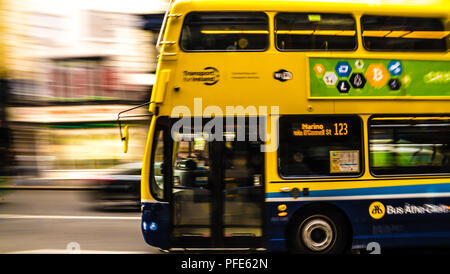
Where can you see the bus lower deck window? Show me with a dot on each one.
(409, 145)
(319, 145)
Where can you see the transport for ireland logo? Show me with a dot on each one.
(208, 76)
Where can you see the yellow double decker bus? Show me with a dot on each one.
(308, 126)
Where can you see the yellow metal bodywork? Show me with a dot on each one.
(246, 79)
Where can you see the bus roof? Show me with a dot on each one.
(412, 7)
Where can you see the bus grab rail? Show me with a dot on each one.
(163, 27)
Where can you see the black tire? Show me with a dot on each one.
(319, 230)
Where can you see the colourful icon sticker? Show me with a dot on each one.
(343, 86)
(395, 67)
(357, 80)
(377, 75)
(330, 78)
(359, 64)
(394, 84)
(319, 68)
(343, 69)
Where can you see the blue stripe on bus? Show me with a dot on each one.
(390, 190)
(403, 235)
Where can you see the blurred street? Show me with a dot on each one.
(67, 70)
(58, 222)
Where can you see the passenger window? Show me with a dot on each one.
(318, 146)
(157, 184)
(315, 31)
(158, 170)
(409, 145)
(225, 31)
(192, 187)
(395, 33)
(191, 166)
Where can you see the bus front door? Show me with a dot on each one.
(217, 194)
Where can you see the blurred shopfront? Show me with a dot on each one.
(73, 70)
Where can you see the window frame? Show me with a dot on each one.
(165, 128)
(224, 51)
(369, 135)
(275, 39)
(401, 50)
(328, 177)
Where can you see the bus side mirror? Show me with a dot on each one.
(125, 139)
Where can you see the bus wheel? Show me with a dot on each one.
(319, 231)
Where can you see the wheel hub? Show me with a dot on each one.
(317, 234)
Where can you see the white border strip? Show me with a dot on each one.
(360, 197)
(152, 202)
(18, 216)
(66, 251)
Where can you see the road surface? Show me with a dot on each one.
(55, 222)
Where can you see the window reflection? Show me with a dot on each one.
(191, 166)
(191, 191)
(225, 31)
(410, 145)
(157, 186)
(315, 31)
(244, 165)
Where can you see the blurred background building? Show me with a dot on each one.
(69, 67)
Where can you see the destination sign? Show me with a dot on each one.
(321, 129)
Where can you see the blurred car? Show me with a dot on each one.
(118, 188)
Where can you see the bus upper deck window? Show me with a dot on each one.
(315, 31)
(395, 33)
(225, 31)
